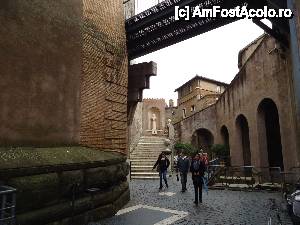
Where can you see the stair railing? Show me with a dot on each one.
(130, 166)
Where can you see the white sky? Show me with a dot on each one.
(213, 55)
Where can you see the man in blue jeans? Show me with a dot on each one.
(162, 165)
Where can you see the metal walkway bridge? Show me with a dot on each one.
(156, 28)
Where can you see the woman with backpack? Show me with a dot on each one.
(162, 165)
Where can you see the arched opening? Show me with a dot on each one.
(151, 112)
(225, 136)
(243, 135)
(269, 134)
(203, 139)
(225, 141)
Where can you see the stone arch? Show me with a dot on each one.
(269, 136)
(203, 139)
(225, 136)
(156, 111)
(242, 129)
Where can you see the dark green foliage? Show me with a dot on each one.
(188, 149)
(220, 151)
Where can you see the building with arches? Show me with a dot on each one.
(255, 115)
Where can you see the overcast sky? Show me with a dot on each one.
(213, 55)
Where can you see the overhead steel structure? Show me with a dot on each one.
(156, 28)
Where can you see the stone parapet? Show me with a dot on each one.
(47, 179)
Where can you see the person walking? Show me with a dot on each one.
(205, 159)
(197, 169)
(162, 165)
(183, 165)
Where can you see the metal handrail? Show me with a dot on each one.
(244, 173)
(129, 170)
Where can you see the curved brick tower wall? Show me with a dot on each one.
(63, 74)
(63, 100)
(105, 76)
(40, 63)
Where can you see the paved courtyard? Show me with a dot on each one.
(149, 206)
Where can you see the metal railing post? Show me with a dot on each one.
(130, 170)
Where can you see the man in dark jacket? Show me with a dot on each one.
(162, 165)
(183, 165)
(197, 169)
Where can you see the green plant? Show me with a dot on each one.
(220, 151)
(189, 149)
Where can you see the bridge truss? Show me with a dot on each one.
(156, 28)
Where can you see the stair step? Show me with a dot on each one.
(145, 173)
(144, 160)
(144, 177)
(144, 157)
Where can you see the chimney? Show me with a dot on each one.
(171, 103)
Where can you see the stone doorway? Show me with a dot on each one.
(243, 138)
(269, 134)
(225, 136)
(203, 139)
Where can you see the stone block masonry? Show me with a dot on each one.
(47, 179)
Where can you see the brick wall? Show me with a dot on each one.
(63, 73)
(105, 76)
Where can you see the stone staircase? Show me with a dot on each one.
(144, 157)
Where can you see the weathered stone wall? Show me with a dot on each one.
(157, 104)
(267, 74)
(47, 179)
(298, 19)
(40, 64)
(136, 127)
(205, 119)
(129, 7)
(246, 52)
(103, 122)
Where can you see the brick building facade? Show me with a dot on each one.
(193, 96)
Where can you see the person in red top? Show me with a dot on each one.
(205, 159)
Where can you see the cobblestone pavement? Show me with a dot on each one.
(220, 207)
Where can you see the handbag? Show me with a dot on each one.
(158, 168)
